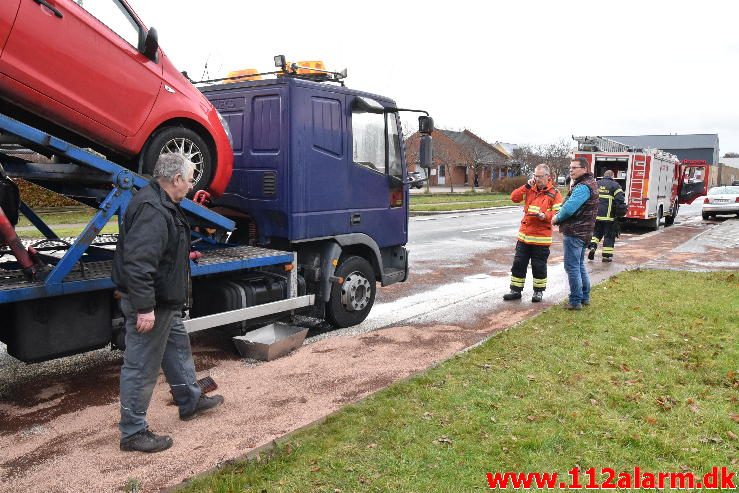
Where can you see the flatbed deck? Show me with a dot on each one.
(95, 275)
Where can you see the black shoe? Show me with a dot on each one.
(607, 259)
(573, 307)
(513, 295)
(591, 254)
(204, 404)
(538, 295)
(146, 441)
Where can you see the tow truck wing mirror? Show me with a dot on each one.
(151, 45)
(425, 125)
(426, 152)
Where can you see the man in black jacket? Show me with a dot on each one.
(610, 200)
(151, 269)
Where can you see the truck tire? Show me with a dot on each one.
(706, 216)
(351, 302)
(654, 223)
(670, 220)
(183, 141)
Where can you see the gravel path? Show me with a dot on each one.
(58, 420)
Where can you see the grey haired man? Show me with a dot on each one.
(151, 270)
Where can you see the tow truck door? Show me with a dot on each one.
(693, 182)
(376, 175)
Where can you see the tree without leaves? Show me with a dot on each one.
(557, 156)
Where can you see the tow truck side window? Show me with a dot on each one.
(115, 16)
(368, 140)
(376, 142)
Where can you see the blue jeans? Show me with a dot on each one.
(167, 346)
(577, 274)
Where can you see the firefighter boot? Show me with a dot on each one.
(513, 295)
(538, 295)
(591, 252)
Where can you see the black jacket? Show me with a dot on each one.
(152, 263)
(582, 223)
(609, 195)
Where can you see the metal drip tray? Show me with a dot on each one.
(271, 341)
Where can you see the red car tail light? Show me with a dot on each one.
(706, 201)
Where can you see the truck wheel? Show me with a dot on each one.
(351, 301)
(670, 220)
(654, 223)
(705, 216)
(180, 140)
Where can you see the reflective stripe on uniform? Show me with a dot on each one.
(534, 208)
(541, 240)
(595, 240)
(556, 207)
(540, 283)
(608, 249)
(517, 281)
(602, 218)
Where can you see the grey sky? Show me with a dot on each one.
(523, 72)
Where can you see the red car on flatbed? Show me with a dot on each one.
(93, 68)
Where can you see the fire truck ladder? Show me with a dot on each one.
(599, 144)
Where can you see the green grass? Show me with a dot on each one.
(438, 198)
(67, 216)
(110, 228)
(457, 201)
(76, 215)
(646, 376)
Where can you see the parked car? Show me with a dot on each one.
(417, 179)
(94, 69)
(721, 200)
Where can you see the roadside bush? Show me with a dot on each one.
(508, 184)
(36, 196)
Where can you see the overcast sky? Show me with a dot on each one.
(521, 71)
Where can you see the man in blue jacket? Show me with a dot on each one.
(576, 220)
(151, 269)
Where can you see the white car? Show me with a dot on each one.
(721, 200)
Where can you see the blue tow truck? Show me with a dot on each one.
(315, 215)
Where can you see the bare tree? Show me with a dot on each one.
(523, 159)
(557, 155)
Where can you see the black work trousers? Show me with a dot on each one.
(538, 255)
(607, 231)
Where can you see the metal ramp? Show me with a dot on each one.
(109, 187)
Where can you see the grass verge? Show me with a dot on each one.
(445, 198)
(646, 376)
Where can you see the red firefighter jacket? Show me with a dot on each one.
(535, 231)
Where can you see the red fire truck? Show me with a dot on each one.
(654, 181)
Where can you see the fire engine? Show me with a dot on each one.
(654, 181)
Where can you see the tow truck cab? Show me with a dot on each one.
(315, 161)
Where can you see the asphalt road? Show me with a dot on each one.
(460, 263)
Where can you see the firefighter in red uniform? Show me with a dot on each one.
(541, 202)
